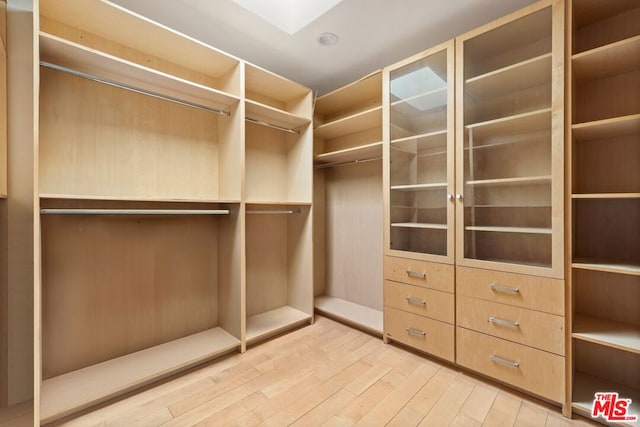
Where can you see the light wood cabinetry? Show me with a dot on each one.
(419, 183)
(175, 198)
(3, 99)
(348, 203)
(604, 194)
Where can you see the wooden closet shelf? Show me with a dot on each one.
(274, 116)
(419, 187)
(438, 135)
(109, 69)
(524, 180)
(361, 152)
(587, 12)
(586, 386)
(607, 128)
(606, 332)
(518, 124)
(605, 196)
(272, 322)
(606, 266)
(351, 124)
(79, 389)
(81, 197)
(526, 230)
(607, 61)
(419, 225)
(358, 315)
(516, 77)
(424, 101)
(354, 94)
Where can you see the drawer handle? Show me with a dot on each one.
(413, 331)
(505, 362)
(416, 274)
(495, 287)
(416, 301)
(503, 322)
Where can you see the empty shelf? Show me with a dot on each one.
(606, 61)
(586, 386)
(88, 61)
(351, 313)
(68, 393)
(607, 128)
(131, 199)
(606, 266)
(545, 179)
(526, 230)
(618, 335)
(362, 152)
(518, 124)
(351, 124)
(525, 74)
(273, 116)
(420, 104)
(419, 225)
(272, 322)
(368, 88)
(417, 187)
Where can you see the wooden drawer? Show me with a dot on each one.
(537, 293)
(422, 333)
(529, 327)
(437, 305)
(537, 371)
(420, 273)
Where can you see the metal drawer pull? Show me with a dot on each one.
(416, 274)
(416, 301)
(504, 361)
(413, 331)
(506, 289)
(503, 322)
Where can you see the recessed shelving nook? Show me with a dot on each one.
(605, 199)
(150, 146)
(348, 203)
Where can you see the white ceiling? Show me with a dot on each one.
(373, 33)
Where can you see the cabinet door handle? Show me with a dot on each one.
(416, 301)
(416, 274)
(459, 196)
(503, 322)
(413, 331)
(504, 361)
(449, 196)
(495, 287)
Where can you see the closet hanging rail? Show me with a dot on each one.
(271, 125)
(352, 162)
(56, 211)
(276, 212)
(132, 88)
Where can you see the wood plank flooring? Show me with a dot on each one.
(326, 374)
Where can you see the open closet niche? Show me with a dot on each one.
(604, 195)
(278, 192)
(140, 198)
(348, 200)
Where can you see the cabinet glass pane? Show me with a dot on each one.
(418, 155)
(507, 143)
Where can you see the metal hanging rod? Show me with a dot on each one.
(276, 212)
(131, 88)
(56, 211)
(352, 162)
(271, 125)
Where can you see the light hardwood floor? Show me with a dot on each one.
(325, 374)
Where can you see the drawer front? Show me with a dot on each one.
(537, 293)
(437, 305)
(422, 333)
(529, 327)
(524, 367)
(420, 273)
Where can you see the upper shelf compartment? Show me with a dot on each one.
(140, 41)
(75, 58)
(275, 100)
(605, 61)
(351, 100)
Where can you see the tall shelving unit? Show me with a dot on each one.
(419, 182)
(278, 192)
(510, 288)
(348, 200)
(604, 129)
(175, 204)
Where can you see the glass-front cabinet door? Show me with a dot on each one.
(510, 145)
(420, 153)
